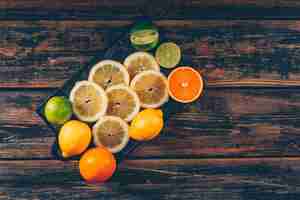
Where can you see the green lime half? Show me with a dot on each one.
(144, 36)
(58, 110)
(168, 55)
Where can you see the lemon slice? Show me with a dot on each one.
(111, 132)
(168, 55)
(140, 61)
(89, 101)
(122, 102)
(108, 73)
(151, 88)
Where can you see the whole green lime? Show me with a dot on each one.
(58, 110)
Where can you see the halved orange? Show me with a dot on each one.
(185, 84)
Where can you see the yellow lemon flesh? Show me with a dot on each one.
(146, 125)
(74, 138)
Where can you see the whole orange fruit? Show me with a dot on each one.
(97, 165)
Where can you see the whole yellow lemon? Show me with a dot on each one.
(74, 138)
(146, 125)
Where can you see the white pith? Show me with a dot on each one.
(102, 94)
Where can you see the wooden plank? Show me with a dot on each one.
(223, 123)
(28, 135)
(207, 179)
(93, 9)
(57, 36)
(89, 4)
(35, 52)
(41, 72)
(45, 54)
(32, 53)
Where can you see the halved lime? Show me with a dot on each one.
(168, 55)
(144, 36)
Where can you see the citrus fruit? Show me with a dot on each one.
(122, 102)
(74, 137)
(168, 55)
(58, 110)
(111, 132)
(146, 125)
(185, 84)
(140, 61)
(144, 36)
(108, 73)
(151, 88)
(89, 101)
(97, 165)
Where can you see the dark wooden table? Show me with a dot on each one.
(240, 141)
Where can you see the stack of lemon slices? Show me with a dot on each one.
(114, 95)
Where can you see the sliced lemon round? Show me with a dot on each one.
(168, 55)
(140, 61)
(122, 102)
(89, 101)
(111, 132)
(108, 73)
(151, 88)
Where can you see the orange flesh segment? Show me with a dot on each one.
(185, 84)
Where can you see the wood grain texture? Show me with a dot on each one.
(207, 179)
(42, 9)
(234, 143)
(231, 122)
(90, 4)
(227, 53)
(223, 123)
(28, 135)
